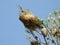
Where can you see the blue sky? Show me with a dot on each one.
(11, 29)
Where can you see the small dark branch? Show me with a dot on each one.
(45, 41)
(57, 40)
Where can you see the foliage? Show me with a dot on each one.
(48, 29)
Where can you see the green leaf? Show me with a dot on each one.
(55, 12)
(46, 23)
(53, 41)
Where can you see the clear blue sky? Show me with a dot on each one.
(11, 29)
